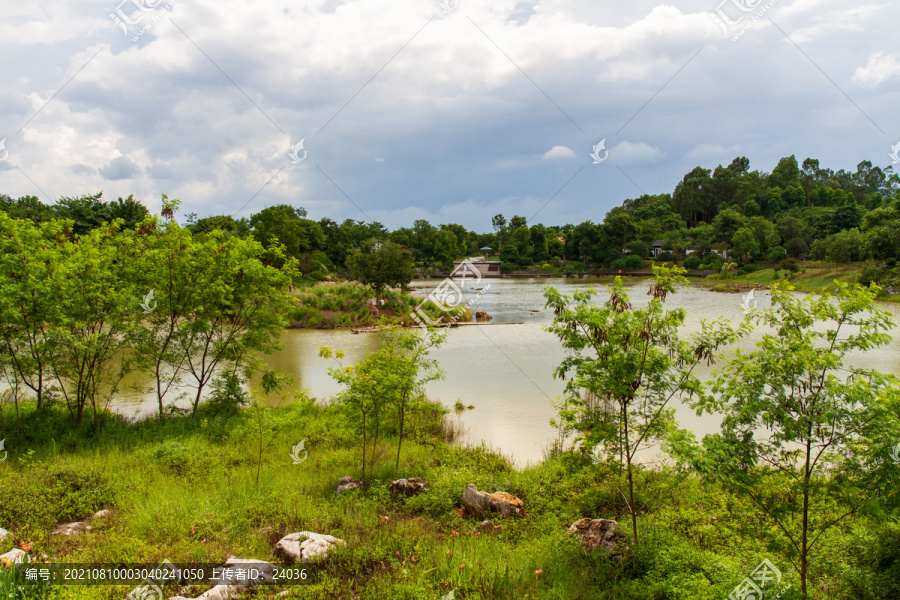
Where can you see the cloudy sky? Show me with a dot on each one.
(450, 111)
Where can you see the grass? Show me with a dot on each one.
(186, 489)
(329, 305)
(812, 277)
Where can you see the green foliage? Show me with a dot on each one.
(381, 264)
(815, 419)
(624, 367)
(692, 262)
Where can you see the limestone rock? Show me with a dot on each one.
(255, 572)
(102, 514)
(409, 487)
(347, 483)
(3, 534)
(71, 528)
(479, 503)
(597, 533)
(13, 557)
(304, 545)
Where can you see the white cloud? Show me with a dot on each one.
(879, 68)
(557, 152)
(630, 152)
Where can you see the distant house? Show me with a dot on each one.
(656, 248)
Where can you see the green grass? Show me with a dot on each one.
(186, 489)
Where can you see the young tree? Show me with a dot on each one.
(633, 360)
(97, 311)
(381, 265)
(239, 308)
(795, 412)
(29, 273)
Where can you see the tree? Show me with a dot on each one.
(86, 212)
(129, 210)
(793, 418)
(638, 248)
(98, 308)
(623, 368)
(403, 356)
(726, 223)
(796, 248)
(744, 244)
(225, 223)
(239, 308)
(776, 254)
(381, 265)
(287, 226)
(30, 270)
(498, 222)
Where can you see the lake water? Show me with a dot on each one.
(506, 371)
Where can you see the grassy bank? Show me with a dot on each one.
(201, 489)
(811, 277)
(330, 305)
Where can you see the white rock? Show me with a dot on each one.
(3, 534)
(71, 528)
(304, 545)
(14, 556)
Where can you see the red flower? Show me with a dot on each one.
(538, 572)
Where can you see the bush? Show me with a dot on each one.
(546, 267)
(633, 262)
(748, 268)
(776, 254)
(790, 264)
(664, 256)
(692, 262)
(619, 263)
(507, 267)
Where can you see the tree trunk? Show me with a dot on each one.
(804, 549)
(631, 507)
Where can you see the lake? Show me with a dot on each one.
(506, 371)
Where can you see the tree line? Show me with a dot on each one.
(796, 211)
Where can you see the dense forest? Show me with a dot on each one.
(798, 210)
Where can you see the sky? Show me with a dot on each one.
(445, 110)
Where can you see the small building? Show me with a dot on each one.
(487, 268)
(656, 248)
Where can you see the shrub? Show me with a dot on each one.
(633, 262)
(507, 267)
(664, 256)
(790, 264)
(776, 254)
(692, 262)
(748, 268)
(227, 394)
(619, 263)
